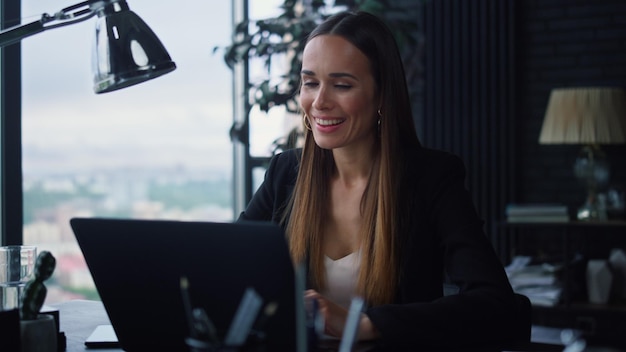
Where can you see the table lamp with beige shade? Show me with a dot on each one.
(590, 116)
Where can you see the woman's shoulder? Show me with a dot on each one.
(286, 159)
(285, 163)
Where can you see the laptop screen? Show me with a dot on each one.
(137, 266)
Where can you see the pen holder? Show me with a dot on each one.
(198, 345)
(39, 335)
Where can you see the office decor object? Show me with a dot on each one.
(16, 268)
(125, 51)
(589, 116)
(615, 203)
(38, 332)
(617, 260)
(35, 291)
(599, 281)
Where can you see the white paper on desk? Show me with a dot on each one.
(102, 335)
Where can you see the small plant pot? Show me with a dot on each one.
(39, 335)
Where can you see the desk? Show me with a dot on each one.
(78, 318)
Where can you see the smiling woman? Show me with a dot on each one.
(159, 149)
(338, 95)
(375, 216)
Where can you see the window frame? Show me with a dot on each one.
(11, 196)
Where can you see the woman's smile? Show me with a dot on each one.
(328, 122)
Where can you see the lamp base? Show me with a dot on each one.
(592, 169)
(592, 210)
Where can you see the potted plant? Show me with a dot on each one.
(38, 331)
(283, 37)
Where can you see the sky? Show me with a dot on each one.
(179, 119)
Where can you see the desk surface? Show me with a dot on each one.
(78, 319)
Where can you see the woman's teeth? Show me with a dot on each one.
(328, 122)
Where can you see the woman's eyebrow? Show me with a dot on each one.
(334, 74)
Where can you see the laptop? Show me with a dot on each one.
(137, 266)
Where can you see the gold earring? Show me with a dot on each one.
(305, 121)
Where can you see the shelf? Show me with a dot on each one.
(584, 307)
(565, 242)
(567, 224)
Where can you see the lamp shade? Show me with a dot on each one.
(126, 51)
(585, 115)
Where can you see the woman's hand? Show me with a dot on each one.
(335, 318)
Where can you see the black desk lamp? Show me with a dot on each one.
(125, 50)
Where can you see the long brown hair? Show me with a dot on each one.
(380, 208)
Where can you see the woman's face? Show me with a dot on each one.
(338, 94)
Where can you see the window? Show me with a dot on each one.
(160, 149)
(267, 129)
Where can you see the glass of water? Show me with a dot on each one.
(17, 264)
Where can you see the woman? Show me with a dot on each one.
(374, 214)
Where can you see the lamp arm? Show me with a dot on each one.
(69, 15)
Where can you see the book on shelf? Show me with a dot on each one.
(537, 213)
(535, 209)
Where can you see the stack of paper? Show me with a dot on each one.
(537, 282)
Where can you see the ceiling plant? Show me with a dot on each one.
(279, 41)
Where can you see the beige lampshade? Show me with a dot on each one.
(585, 115)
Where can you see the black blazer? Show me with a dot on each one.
(441, 240)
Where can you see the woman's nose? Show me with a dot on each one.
(322, 100)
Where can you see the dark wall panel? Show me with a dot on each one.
(469, 91)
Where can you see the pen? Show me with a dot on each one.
(351, 327)
(313, 318)
(184, 292)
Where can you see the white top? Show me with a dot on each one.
(341, 278)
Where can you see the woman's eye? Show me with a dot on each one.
(310, 84)
(343, 86)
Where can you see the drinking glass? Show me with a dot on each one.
(17, 264)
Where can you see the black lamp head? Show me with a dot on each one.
(126, 51)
